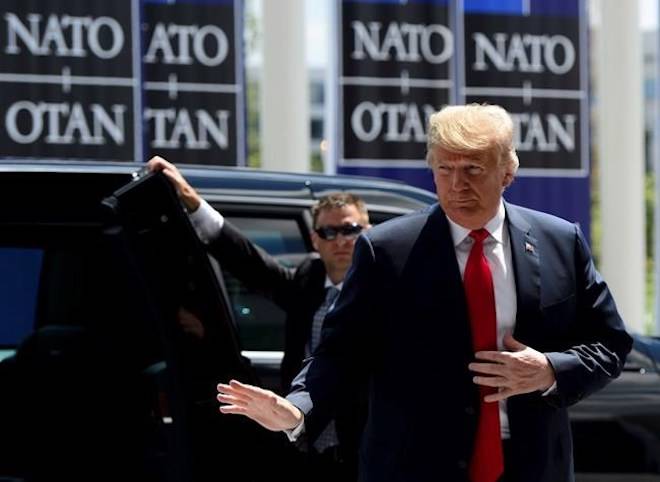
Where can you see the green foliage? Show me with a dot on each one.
(649, 203)
(253, 140)
(597, 232)
(316, 162)
(596, 221)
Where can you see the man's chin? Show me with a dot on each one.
(466, 205)
(462, 210)
(342, 262)
(468, 217)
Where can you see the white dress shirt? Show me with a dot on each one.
(497, 249)
(207, 222)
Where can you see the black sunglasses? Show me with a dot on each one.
(348, 230)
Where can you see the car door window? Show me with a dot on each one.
(278, 236)
(285, 236)
(260, 321)
(19, 282)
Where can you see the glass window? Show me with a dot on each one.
(276, 235)
(645, 355)
(260, 321)
(317, 90)
(316, 128)
(19, 282)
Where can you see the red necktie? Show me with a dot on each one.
(487, 462)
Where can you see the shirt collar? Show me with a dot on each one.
(495, 227)
(329, 284)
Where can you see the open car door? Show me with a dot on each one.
(116, 360)
(198, 341)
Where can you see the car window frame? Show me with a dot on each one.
(300, 209)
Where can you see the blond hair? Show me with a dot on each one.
(473, 129)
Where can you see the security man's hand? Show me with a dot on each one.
(186, 193)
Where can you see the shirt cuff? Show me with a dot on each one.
(550, 391)
(296, 432)
(207, 222)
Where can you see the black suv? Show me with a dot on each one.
(99, 379)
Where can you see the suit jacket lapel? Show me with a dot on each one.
(314, 291)
(524, 252)
(431, 280)
(441, 254)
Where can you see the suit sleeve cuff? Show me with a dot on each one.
(550, 391)
(207, 222)
(296, 432)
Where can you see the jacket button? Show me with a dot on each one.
(462, 464)
(469, 411)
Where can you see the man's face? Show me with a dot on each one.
(469, 188)
(337, 253)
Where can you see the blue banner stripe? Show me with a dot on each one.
(437, 2)
(562, 8)
(189, 2)
(420, 177)
(511, 7)
(568, 198)
(518, 7)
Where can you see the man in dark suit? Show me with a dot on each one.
(304, 293)
(475, 323)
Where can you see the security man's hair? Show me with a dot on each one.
(339, 200)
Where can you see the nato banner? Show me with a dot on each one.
(194, 99)
(68, 80)
(395, 71)
(122, 80)
(529, 56)
(530, 65)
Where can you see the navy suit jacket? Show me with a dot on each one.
(401, 327)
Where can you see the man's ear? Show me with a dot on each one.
(508, 179)
(315, 239)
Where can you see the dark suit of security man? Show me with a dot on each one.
(305, 293)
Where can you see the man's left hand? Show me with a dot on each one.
(519, 370)
(186, 193)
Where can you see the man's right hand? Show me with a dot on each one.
(263, 406)
(186, 193)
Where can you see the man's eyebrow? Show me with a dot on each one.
(464, 160)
